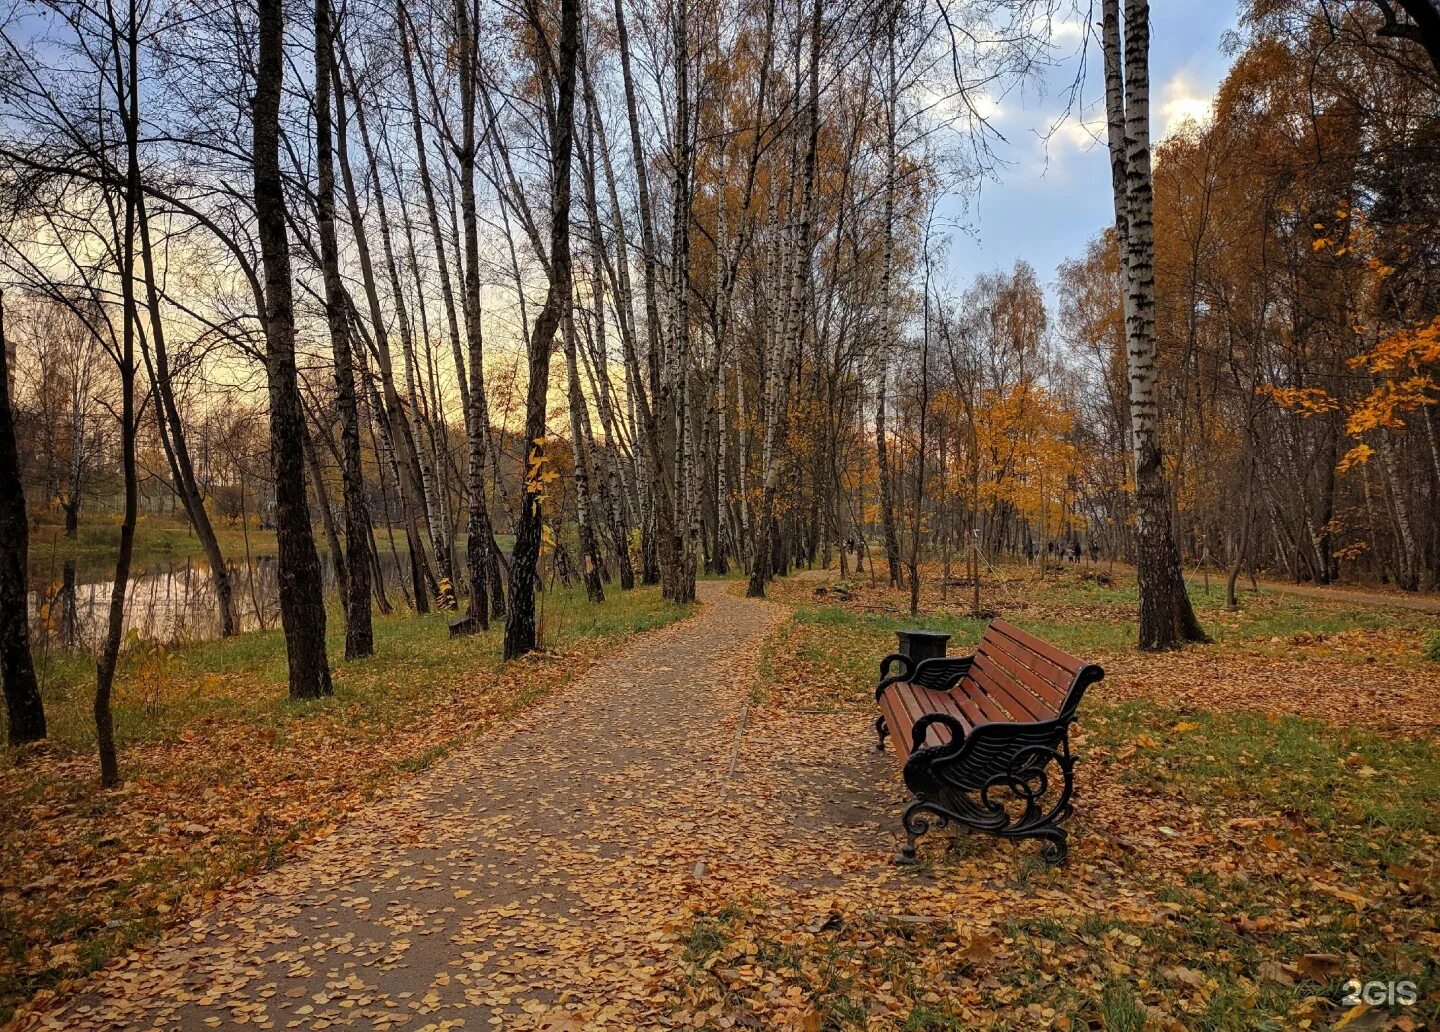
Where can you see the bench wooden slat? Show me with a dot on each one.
(1024, 680)
(934, 700)
(1010, 653)
(989, 694)
(974, 717)
(1063, 660)
(1000, 686)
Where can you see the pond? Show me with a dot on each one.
(168, 601)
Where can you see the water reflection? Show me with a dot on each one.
(167, 602)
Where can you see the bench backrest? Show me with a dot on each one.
(1027, 677)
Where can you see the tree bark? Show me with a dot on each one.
(1166, 616)
(479, 535)
(359, 633)
(24, 709)
(302, 600)
(520, 632)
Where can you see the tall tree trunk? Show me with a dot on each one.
(479, 536)
(677, 424)
(792, 338)
(359, 634)
(520, 621)
(1166, 616)
(127, 95)
(24, 709)
(175, 439)
(887, 299)
(662, 485)
(584, 520)
(302, 599)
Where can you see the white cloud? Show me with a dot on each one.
(946, 104)
(1181, 102)
(1082, 134)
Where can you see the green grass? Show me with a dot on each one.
(1367, 799)
(159, 690)
(157, 538)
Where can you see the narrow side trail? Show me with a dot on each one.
(535, 879)
(1359, 596)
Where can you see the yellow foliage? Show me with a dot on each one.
(1023, 450)
(1307, 401)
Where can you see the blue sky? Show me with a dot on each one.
(1055, 195)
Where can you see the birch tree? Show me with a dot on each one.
(359, 635)
(1166, 616)
(559, 61)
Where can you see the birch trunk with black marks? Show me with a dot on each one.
(1166, 616)
(479, 535)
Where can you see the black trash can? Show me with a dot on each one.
(920, 645)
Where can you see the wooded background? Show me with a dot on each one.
(656, 289)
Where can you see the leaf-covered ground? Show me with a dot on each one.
(1256, 824)
(225, 777)
(696, 833)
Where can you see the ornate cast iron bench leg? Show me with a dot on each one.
(881, 730)
(916, 824)
(1023, 801)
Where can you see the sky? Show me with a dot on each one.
(1054, 196)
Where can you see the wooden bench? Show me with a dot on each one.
(984, 738)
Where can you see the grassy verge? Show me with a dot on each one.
(157, 538)
(1088, 611)
(1232, 867)
(224, 775)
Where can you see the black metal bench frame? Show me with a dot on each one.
(1010, 778)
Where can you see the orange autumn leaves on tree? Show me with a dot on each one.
(1401, 365)
(1023, 457)
(1403, 369)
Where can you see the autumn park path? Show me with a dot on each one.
(1359, 596)
(533, 879)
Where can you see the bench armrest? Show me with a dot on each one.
(906, 664)
(941, 672)
(945, 720)
(886, 678)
